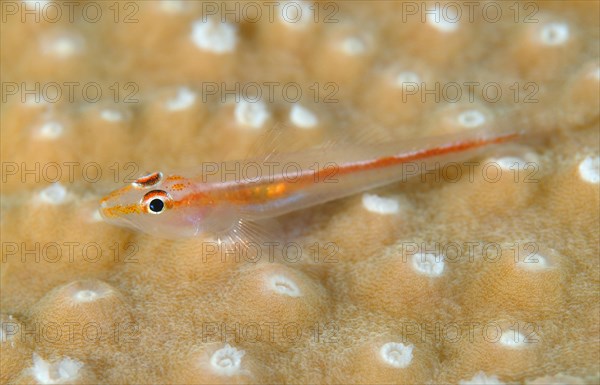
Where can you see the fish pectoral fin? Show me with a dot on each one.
(249, 236)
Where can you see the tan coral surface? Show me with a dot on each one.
(474, 273)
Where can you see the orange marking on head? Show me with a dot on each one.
(178, 186)
(148, 180)
(115, 193)
(172, 178)
(119, 210)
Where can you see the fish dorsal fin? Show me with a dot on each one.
(356, 129)
(348, 127)
(269, 143)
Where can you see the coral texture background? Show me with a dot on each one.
(480, 278)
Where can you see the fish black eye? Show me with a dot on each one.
(156, 205)
(156, 201)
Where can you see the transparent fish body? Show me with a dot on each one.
(222, 195)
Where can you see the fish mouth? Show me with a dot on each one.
(105, 211)
(108, 213)
(105, 214)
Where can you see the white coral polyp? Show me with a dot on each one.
(444, 19)
(589, 169)
(50, 130)
(214, 36)
(471, 118)
(227, 361)
(302, 117)
(184, 99)
(396, 354)
(555, 33)
(285, 286)
(61, 372)
(431, 265)
(55, 194)
(353, 46)
(111, 115)
(86, 296)
(172, 6)
(511, 163)
(251, 115)
(380, 205)
(406, 78)
(481, 378)
(295, 13)
(534, 262)
(62, 46)
(512, 339)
